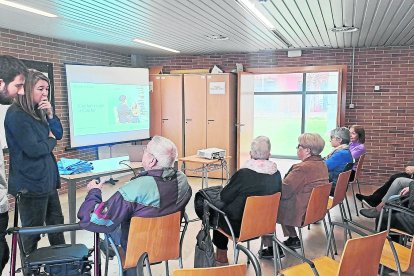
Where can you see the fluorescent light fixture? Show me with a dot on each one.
(344, 29)
(155, 45)
(252, 8)
(26, 8)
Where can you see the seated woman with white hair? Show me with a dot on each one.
(258, 177)
(340, 155)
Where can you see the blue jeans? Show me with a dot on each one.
(39, 211)
(4, 248)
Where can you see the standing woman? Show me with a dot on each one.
(31, 132)
(356, 146)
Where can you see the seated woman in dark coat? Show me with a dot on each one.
(339, 156)
(258, 177)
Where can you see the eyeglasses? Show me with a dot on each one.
(299, 146)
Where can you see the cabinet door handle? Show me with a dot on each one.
(188, 120)
(164, 119)
(210, 120)
(239, 125)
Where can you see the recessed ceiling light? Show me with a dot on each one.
(217, 37)
(344, 29)
(155, 45)
(26, 8)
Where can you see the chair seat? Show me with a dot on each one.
(324, 266)
(330, 203)
(404, 255)
(57, 254)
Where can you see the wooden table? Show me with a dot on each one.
(207, 165)
(103, 167)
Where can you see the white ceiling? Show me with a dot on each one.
(184, 24)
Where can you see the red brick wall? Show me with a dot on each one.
(388, 116)
(58, 52)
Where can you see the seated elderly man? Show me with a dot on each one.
(297, 188)
(339, 156)
(158, 191)
(258, 177)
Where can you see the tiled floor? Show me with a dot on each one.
(314, 240)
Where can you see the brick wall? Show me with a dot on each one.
(58, 52)
(388, 116)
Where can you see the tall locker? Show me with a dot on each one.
(195, 108)
(167, 108)
(210, 114)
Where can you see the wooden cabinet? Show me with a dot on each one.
(210, 114)
(166, 108)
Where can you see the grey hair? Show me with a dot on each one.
(260, 148)
(164, 150)
(312, 141)
(341, 133)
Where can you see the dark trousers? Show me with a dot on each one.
(377, 196)
(4, 248)
(38, 211)
(221, 240)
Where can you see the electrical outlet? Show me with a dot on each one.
(351, 106)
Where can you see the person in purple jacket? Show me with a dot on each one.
(158, 191)
(356, 146)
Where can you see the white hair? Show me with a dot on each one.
(260, 148)
(164, 150)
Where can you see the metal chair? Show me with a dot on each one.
(230, 270)
(316, 210)
(259, 219)
(361, 256)
(338, 200)
(394, 255)
(159, 237)
(358, 173)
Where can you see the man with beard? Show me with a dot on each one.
(12, 77)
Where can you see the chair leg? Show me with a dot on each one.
(359, 191)
(301, 242)
(355, 202)
(349, 209)
(236, 256)
(276, 258)
(327, 238)
(345, 221)
(248, 247)
(167, 271)
(333, 238)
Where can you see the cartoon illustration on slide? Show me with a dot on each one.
(124, 113)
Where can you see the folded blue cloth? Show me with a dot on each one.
(73, 166)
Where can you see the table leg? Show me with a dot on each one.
(205, 169)
(72, 208)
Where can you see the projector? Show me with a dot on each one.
(211, 153)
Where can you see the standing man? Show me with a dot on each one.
(12, 77)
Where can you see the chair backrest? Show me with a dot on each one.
(341, 187)
(358, 170)
(362, 255)
(159, 237)
(259, 216)
(231, 270)
(318, 201)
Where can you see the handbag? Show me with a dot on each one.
(204, 251)
(212, 195)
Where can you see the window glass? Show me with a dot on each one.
(320, 116)
(279, 118)
(278, 82)
(322, 81)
